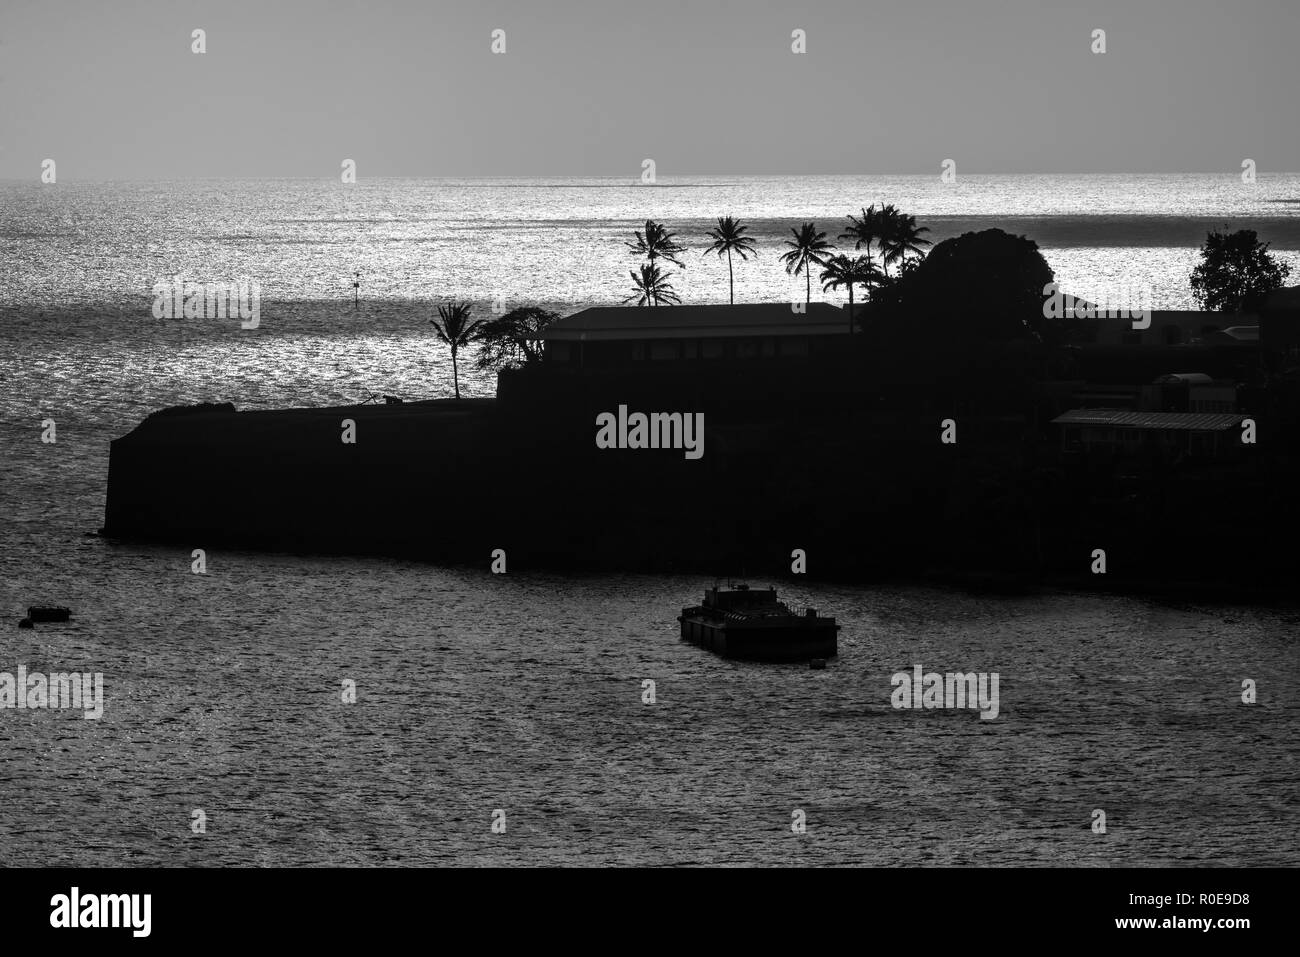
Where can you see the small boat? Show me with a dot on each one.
(48, 613)
(750, 623)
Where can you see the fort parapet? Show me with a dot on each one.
(835, 449)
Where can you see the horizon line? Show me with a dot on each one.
(632, 179)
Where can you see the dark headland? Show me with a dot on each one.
(814, 439)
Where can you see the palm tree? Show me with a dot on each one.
(457, 331)
(809, 247)
(871, 228)
(902, 237)
(657, 243)
(730, 235)
(843, 271)
(650, 286)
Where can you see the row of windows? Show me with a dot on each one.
(673, 349)
(1112, 435)
(719, 348)
(1195, 441)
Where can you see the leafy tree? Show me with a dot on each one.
(457, 330)
(1236, 272)
(729, 236)
(809, 246)
(512, 340)
(977, 288)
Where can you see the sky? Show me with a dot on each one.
(112, 90)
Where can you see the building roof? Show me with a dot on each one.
(1124, 419)
(1245, 333)
(1189, 318)
(604, 323)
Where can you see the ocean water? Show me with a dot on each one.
(561, 241)
(78, 335)
(523, 692)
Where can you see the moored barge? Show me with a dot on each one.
(751, 623)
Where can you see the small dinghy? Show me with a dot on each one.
(48, 613)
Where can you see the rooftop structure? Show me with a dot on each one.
(1160, 421)
(627, 334)
(603, 323)
(1187, 378)
(1242, 333)
(1168, 327)
(1199, 435)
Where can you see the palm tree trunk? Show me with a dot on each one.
(850, 308)
(731, 278)
(455, 372)
(807, 278)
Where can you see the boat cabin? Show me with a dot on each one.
(742, 596)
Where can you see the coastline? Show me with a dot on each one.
(283, 481)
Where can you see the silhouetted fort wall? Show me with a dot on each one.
(838, 455)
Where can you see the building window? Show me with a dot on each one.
(794, 346)
(1173, 335)
(1211, 405)
(711, 349)
(638, 351)
(559, 352)
(690, 349)
(663, 350)
(747, 349)
(1132, 339)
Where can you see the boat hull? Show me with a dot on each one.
(48, 613)
(796, 640)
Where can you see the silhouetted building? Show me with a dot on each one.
(1169, 327)
(1189, 392)
(1196, 434)
(1172, 392)
(1280, 326)
(628, 335)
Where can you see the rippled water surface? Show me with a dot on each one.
(523, 692)
(562, 240)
